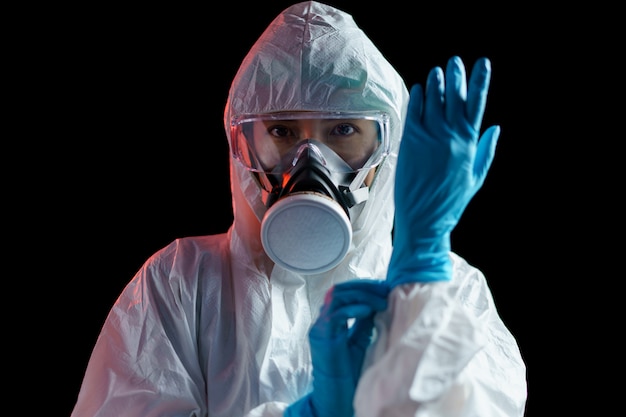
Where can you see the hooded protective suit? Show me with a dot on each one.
(209, 326)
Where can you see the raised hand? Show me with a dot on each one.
(442, 163)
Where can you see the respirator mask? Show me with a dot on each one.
(312, 167)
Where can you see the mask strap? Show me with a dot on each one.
(356, 193)
(267, 184)
(357, 182)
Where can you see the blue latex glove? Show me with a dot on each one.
(442, 163)
(338, 350)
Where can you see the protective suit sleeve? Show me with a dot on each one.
(442, 163)
(144, 362)
(338, 349)
(442, 350)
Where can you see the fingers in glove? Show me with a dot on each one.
(485, 153)
(478, 88)
(456, 93)
(356, 299)
(359, 341)
(361, 332)
(333, 321)
(370, 293)
(433, 112)
(362, 285)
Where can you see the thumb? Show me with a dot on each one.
(485, 153)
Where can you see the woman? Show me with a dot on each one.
(244, 324)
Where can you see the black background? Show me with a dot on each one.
(137, 156)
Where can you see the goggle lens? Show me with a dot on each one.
(261, 141)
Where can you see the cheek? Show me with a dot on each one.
(266, 153)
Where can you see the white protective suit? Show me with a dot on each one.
(210, 327)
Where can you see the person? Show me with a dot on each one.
(335, 291)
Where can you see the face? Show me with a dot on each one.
(271, 142)
(354, 140)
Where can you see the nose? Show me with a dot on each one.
(309, 149)
(311, 129)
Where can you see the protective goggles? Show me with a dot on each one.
(270, 142)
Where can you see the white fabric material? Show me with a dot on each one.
(210, 327)
(442, 350)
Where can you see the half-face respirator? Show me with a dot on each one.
(312, 166)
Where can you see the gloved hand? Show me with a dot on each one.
(441, 165)
(338, 350)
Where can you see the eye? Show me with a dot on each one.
(280, 131)
(343, 129)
